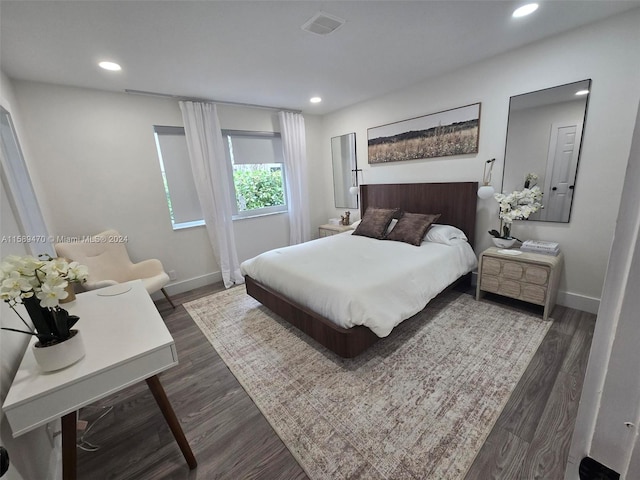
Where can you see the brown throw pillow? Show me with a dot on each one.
(412, 227)
(375, 222)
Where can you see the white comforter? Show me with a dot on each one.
(354, 280)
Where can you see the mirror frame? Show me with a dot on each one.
(345, 165)
(516, 170)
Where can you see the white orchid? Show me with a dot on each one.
(52, 292)
(24, 277)
(40, 284)
(26, 265)
(518, 205)
(15, 285)
(56, 266)
(77, 272)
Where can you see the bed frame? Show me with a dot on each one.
(456, 202)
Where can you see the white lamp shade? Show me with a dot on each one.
(354, 190)
(486, 191)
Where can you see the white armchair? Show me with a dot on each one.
(108, 262)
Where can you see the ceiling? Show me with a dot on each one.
(256, 52)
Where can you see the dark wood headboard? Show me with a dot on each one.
(456, 202)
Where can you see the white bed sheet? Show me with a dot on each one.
(354, 280)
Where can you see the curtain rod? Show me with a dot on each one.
(207, 100)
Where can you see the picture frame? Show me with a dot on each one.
(442, 134)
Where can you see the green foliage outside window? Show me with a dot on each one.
(166, 191)
(258, 186)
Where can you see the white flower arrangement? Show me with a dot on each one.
(40, 284)
(517, 205)
(24, 277)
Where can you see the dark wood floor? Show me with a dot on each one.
(232, 440)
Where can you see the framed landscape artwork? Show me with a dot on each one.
(442, 134)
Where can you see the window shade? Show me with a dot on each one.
(174, 159)
(254, 149)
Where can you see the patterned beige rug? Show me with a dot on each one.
(417, 405)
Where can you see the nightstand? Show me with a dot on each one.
(530, 277)
(329, 229)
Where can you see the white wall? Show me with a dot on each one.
(105, 141)
(600, 52)
(319, 172)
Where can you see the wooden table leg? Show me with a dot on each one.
(167, 410)
(69, 452)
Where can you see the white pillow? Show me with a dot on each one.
(446, 234)
(391, 225)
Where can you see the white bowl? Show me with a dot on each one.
(503, 242)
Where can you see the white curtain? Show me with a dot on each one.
(295, 160)
(211, 173)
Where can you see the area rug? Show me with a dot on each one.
(418, 404)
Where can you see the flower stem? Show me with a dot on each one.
(23, 321)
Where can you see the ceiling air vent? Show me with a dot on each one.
(323, 24)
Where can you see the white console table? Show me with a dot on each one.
(126, 341)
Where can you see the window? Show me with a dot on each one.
(258, 172)
(257, 177)
(182, 199)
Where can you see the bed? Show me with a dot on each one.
(336, 312)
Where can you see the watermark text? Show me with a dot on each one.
(63, 239)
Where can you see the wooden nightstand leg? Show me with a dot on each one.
(170, 416)
(69, 452)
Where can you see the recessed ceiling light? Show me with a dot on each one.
(315, 99)
(525, 10)
(114, 67)
(582, 92)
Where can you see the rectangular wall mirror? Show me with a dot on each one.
(343, 156)
(544, 135)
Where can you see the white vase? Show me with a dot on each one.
(60, 355)
(503, 242)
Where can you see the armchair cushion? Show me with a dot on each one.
(109, 263)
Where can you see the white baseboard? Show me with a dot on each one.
(579, 302)
(189, 284)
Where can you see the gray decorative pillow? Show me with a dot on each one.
(375, 222)
(412, 227)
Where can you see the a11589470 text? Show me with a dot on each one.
(63, 239)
